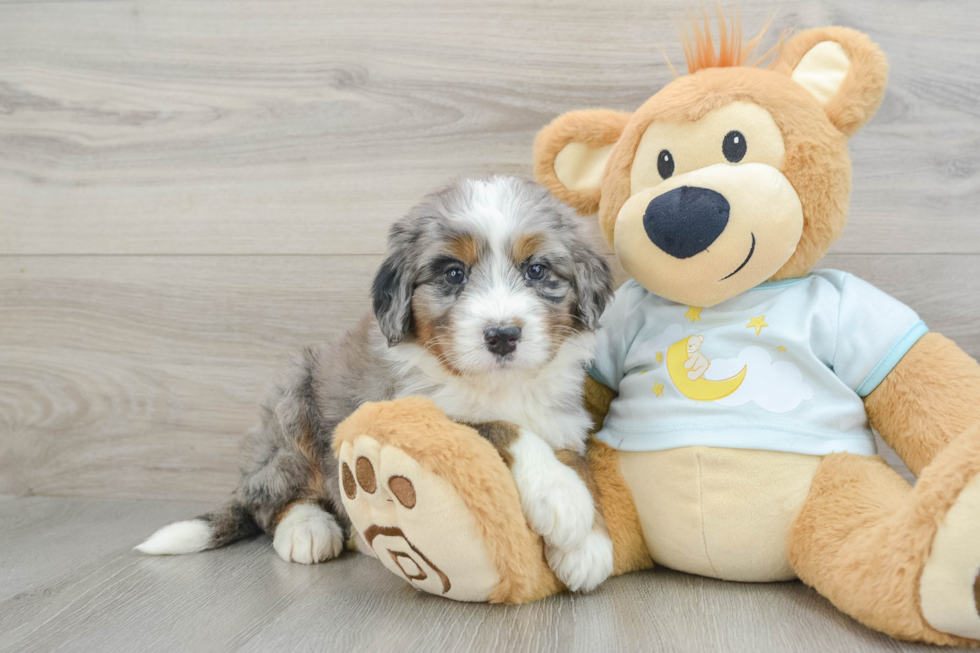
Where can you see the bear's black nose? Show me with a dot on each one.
(685, 221)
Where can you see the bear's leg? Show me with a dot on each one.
(437, 505)
(901, 559)
(630, 550)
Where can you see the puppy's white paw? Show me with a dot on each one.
(557, 504)
(583, 567)
(308, 534)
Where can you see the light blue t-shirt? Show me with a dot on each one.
(781, 367)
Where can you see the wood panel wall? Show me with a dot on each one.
(190, 190)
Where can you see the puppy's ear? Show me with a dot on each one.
(842, 69)
(392, 290)
(593, 286)
(570, 155)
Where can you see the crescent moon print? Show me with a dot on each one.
(699, 389)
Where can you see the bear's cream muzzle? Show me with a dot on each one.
(707, 235)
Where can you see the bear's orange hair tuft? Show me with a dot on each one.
(699, 46)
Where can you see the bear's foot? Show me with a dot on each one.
(437, 506)
(395, 505)
(949, 587)
(901, 559)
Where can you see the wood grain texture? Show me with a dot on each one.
(69, 581)
(190, 191)
(136, 376)
(295, 127)
(119, 375)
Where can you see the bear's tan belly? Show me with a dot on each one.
(724, 513)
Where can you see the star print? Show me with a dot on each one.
(660, 357)
(643, 372)
(757, 323)
(658, 389)
(781, 348)
(693, 313)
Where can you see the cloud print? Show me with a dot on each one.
(776, 387)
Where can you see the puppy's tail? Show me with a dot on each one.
(227, 524)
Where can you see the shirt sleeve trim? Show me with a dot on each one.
(890, 360)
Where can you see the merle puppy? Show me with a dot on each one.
(486, 304)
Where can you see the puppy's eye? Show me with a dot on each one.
(734, 146)
(455, 276)
(536, 272)
(665, 164)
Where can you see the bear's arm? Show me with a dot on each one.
(597, 398)
(928, 399)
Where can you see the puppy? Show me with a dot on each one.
(486, 304)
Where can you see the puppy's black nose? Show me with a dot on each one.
(685, 221)
(502, 340)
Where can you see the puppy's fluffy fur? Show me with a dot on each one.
(486, 304)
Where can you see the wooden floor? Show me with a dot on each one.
(192, 189)
(69, 582)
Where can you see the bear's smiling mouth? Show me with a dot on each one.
(751, 252)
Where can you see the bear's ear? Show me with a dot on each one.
(843, 69)
(570, 155)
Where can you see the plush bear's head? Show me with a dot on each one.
(729, 176)
(694, 343)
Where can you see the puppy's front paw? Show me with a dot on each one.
(583, 567)
(557, 504)
(307, 534)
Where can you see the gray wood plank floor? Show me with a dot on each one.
(69, 582)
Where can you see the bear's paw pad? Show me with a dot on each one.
(414, 521)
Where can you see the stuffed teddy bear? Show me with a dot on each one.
(734, 389)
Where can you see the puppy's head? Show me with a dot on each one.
(488, 275)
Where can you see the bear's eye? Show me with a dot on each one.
(665, 164)
(734, 146)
